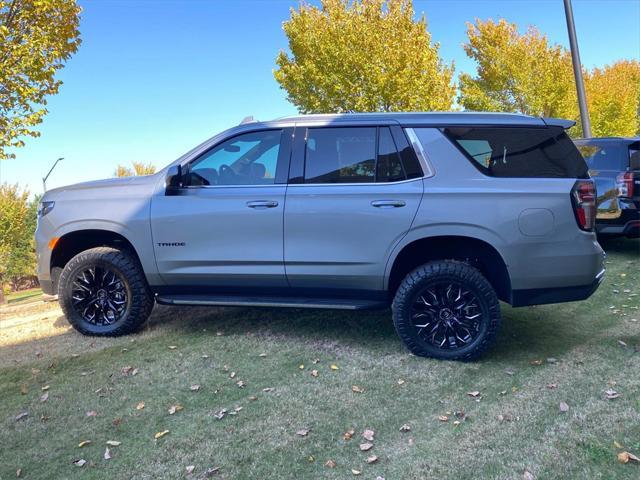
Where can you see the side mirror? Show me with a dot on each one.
(173, 180)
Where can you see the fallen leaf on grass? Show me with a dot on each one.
(160, 434)
(536, 362)
(372, 459)
(23, 389)
(527, 475)
(405, 428)
(366, 446)
(45, 388)
(368, 434)
(44, 397)
(267, 389)
(140, 406)
(303, 432)
(334, 367)
(241, 384)
(84, 443)
(301, 366)
(194, 388)
(175, 408)
(107, 454)
(128, 370)
(210, 472)
(190, 469)
(232, 375)
(612, 394)
(626, 457)
(21, 415)
(253, 398)
(551, 386)
(92, 413)
(330, 464)
(113, 443)
(262, 355)
(622, 343)
(357, 389)
(172, 347)
(443, 418)
(356, 472)
(474, 394)
(80, 463)
(348, 435)
(400, 381)
(564, 407)
(314, 373)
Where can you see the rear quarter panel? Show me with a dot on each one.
(530, 221)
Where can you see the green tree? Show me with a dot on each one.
(517, 73)
(18, 218)
(362, 56)
(36, 38)
(139, 168)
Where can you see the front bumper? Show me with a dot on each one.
(540, 296)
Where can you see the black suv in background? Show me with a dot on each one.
(614, 164)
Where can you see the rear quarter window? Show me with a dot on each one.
(542, 152)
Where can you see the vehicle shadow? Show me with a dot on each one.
(620, 245)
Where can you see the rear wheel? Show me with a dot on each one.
(447, 310)
(103, 292)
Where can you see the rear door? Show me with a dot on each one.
(353, 193)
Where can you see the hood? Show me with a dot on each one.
(106, 183)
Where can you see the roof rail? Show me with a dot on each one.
(248, 119)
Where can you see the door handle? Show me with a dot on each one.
(388, 203)
(260, 204)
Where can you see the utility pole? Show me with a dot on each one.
(44, 179)
(577, 70)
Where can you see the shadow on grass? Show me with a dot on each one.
(620, 245)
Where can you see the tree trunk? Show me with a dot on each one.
(2, 299)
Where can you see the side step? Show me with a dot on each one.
(294, 302)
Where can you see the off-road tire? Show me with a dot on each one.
(140, 300)
(446, 270)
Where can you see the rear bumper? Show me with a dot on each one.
(540, 296)
(627, 224)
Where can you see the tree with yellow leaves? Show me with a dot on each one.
(36, 38)
(362, 56)
(524, 73)
(139, 168)
(613, 96)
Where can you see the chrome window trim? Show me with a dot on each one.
(361, 184)
(422, 155)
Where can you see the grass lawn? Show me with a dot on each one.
(545, 355)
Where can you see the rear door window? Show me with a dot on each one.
(544, 152)
(340, 155)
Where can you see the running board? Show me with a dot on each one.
(293, 302)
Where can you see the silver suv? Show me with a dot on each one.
(438, 215)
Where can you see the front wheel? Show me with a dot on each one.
(447, 310)
(103, 292)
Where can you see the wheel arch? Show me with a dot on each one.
(477, 252)
(71, 243)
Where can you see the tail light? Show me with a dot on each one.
(583, 197)
(624, 183)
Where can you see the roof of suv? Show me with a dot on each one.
(424, 118)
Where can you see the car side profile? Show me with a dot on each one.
(436, 215)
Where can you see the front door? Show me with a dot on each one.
(225, 227)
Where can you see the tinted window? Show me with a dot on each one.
(603, 156)
(520, 151)
(634, 158)
(340, 155)
(389, 166)
(248, 159)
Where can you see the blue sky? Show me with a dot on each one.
(153, 78)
